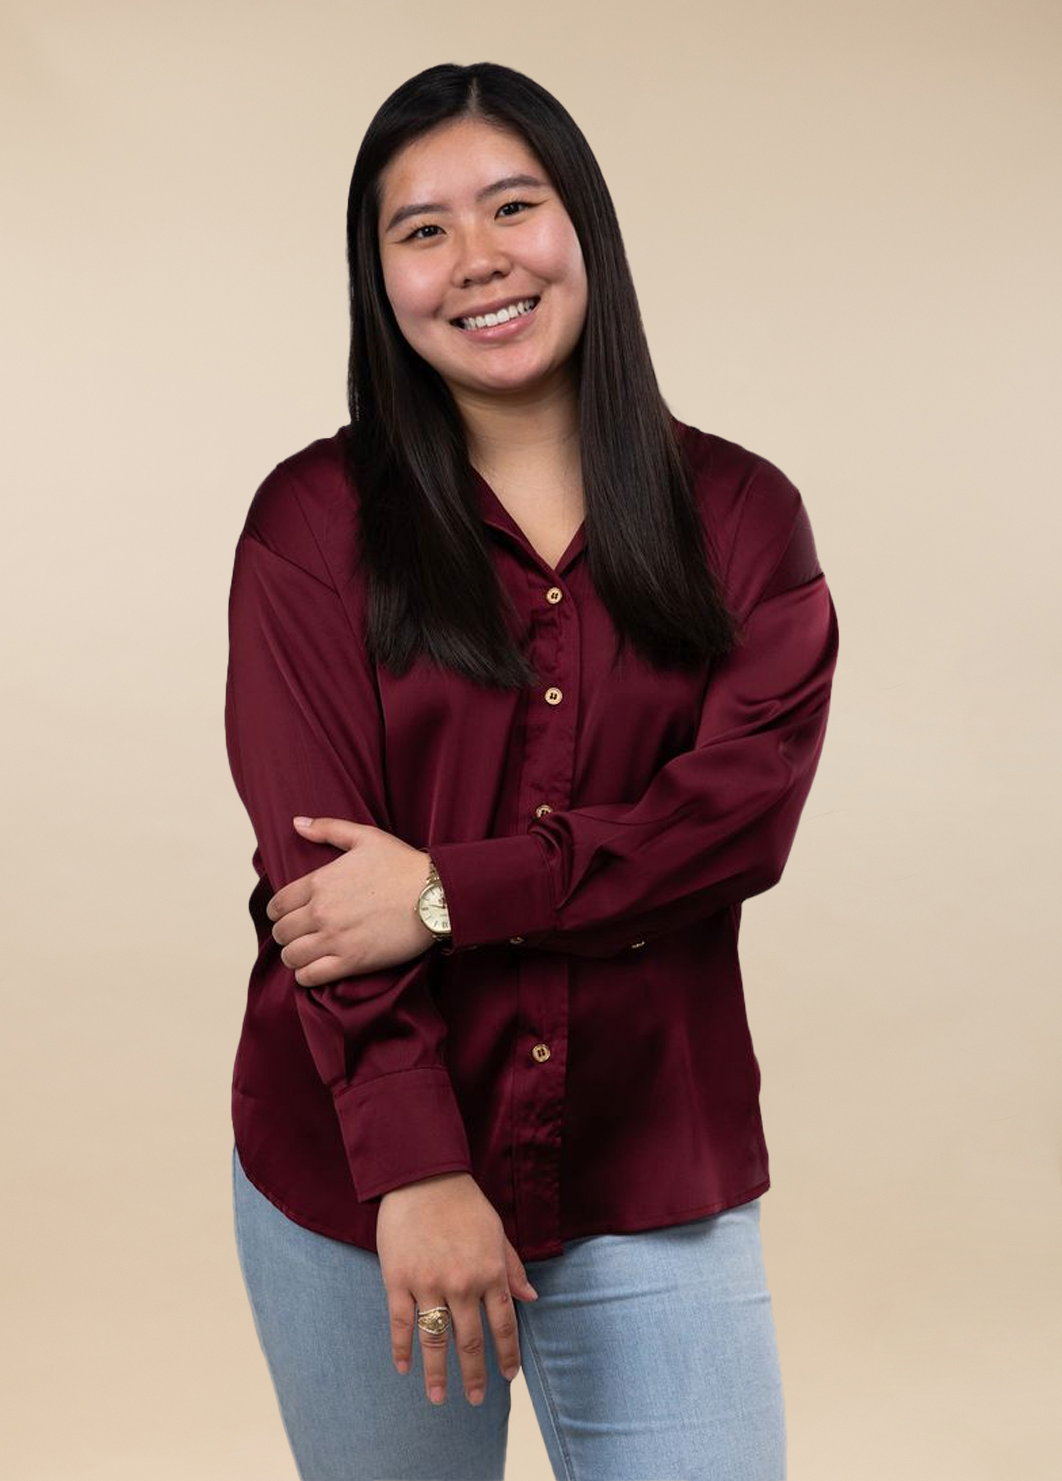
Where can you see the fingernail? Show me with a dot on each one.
(510, 1373)
(302, 822)
(531, 1288)
(475, 1396)
(438, 1395)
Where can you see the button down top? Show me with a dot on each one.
(582, 1046)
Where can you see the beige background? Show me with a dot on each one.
(843, 222)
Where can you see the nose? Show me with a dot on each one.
(479, 257)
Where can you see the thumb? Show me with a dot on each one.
(518, 1281)
(328, 830)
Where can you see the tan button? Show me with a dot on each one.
(516, 940)
(554, 595)
(540, 1052)
(554, 696)
(542, 809)
(635, 944)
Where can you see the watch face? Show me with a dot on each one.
(433, 911)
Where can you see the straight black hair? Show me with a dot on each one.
(432, 588)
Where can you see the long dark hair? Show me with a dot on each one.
(432, 588)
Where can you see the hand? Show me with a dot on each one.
(441, 1243)
(356, 913)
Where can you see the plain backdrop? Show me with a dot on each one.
(844, 225)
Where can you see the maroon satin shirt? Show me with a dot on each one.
(583, 1048)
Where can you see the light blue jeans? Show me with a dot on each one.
(649, 1355)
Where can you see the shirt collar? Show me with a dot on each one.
(494, 513)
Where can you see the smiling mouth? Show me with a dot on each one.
(520, 308)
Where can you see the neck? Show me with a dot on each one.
(536, 428)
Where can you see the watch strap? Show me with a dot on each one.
(443, 937)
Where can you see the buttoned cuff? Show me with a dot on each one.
(400, 1127)
(495, 888)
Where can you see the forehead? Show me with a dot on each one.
(452, 162)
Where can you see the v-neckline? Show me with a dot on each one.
(496, 513)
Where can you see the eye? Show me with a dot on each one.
(415, 234)
(529, 204)
(417, 231)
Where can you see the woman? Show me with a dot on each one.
(528, 683)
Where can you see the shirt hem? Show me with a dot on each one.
(317, 1226)
(638, 1224)
(641, 1225)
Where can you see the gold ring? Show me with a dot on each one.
(433, 1319)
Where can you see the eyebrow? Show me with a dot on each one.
(404, 212)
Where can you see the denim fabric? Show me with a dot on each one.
(647, 1355)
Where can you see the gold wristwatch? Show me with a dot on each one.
(431, 906)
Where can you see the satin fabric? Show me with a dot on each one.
(583, 1048)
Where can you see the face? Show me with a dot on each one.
(475, 244)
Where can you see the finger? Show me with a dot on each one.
(298, 921)
(433, 1351)
(401, 1311)
(300, 951)
(327, 969)
(471, 1348)
(519, 1284)
(291, 897)
(505, 1333)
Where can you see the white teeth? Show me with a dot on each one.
(502, 316)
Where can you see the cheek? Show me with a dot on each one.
(412, 292)
(561, 258)
(575, 267)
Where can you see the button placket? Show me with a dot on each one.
(543, 977)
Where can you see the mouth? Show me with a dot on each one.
(500, 324)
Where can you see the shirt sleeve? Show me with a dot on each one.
(717, 822)
(304, 735)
